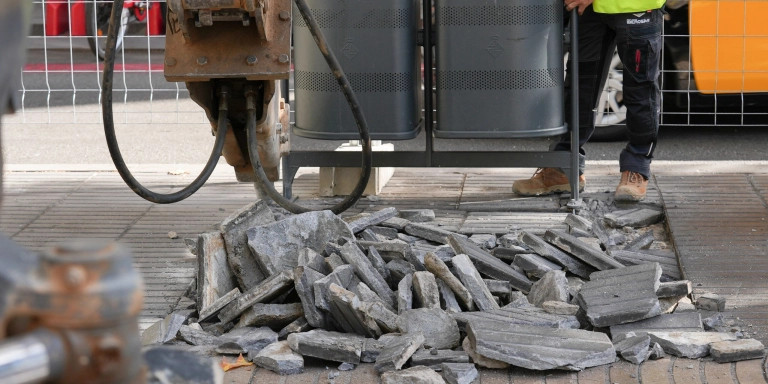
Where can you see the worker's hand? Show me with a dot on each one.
(580, 4)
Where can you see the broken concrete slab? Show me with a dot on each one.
(250, 339)
(374, 218)
(447, 298)
(345, 309)
(656, 352)
(196, 337)
(299, 325)
(230, 348)
(439, 328)
(479, 359)
(367, 273)
(673, 322)
(552, 287)
(384, 317)
(710, 302)
(242, 262)
(499, 288)
(417, 215)
(398, 351)
(459, 373)
(634, 349)
(578, 222)
(396, 222)
(490, 265)
(309, 258)
(398, 269)
(214, 278)
(528, 315)
(692, 345)
(428, 232)
(276, 246)
(267, 290)
(540, 348)
(534, 265)
(434, 358)
(668, 261)
(470, 278)
(435, 264)
(279, 358)
(405, 294)
(342, 276)
(334, 261)
(385, 232)
(641, 242)
(483, 240)
(166, 329)
(635, 218)
(304, 283)
(685, 305)
(622, 295)
(675, 289)
(508, 254)
(745, 349)
(425, 291)
(327, 345)
(581, 250)
(274, 316)
(378, 262)
(173, 365)
(413, 375)
(546, 250)
(389, 250)
(372, 348)
(560, 308)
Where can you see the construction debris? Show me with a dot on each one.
(395, 289)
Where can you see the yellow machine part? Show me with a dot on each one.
(729, 45)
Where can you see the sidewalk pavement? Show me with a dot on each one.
(716, 213)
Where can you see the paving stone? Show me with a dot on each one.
(267, 290)
(166, 329)
(378, 262)
(274, 316)
(635, 218)
(540, 348)
(196, 337)
(490, 265)
(580, 250)
(304, 283)
(711, 302)
(673, 322)
(367, 273)
(434, 358)
(546, 250)
(559, 308)
(417, 215)
(425, 291)
(251, 339)
(299, 325)
(481, 360)
(327, 345)
(745, 349)
(528, 315)
(439, 328)
(386, 232)
(276, 246)
(552, 287)
(692, 345)
(396, 222)
(279, 358)
(345, 309)
(342, 276)
(428, 232)
(621, 295)
(470, 278)
(398, 351)
(483, 240)
(413, 375)
(447, 298)
(641, 242)
(459, 373)
(242, 262)
(405, 294)
(674, 289)
(374, 218)
(173, 365)
(384, 317)
(309, 258)
(751, 371)
(214, 278)
(579, 222)
(436, 265)
(634, 349)
(534, 265)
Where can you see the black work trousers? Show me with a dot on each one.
(637, 39)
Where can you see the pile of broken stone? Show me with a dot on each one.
(392, 289)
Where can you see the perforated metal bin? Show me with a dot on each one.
(375, 42)
(499, 68)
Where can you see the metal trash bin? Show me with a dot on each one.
(499, 68)
(375, 42)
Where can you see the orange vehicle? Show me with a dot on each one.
(715, 68)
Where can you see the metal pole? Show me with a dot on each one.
(575, 202)
(27, 359)
(427, 11)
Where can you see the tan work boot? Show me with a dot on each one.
(631, 187)
(545, 181)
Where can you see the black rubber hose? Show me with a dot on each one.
(354, 105)
(109, 127)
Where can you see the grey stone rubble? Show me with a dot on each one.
(402, 293)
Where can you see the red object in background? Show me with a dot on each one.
(156, 22)
(59, 18)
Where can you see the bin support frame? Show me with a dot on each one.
(429, 158)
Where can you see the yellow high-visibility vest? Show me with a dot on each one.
(626, 6)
